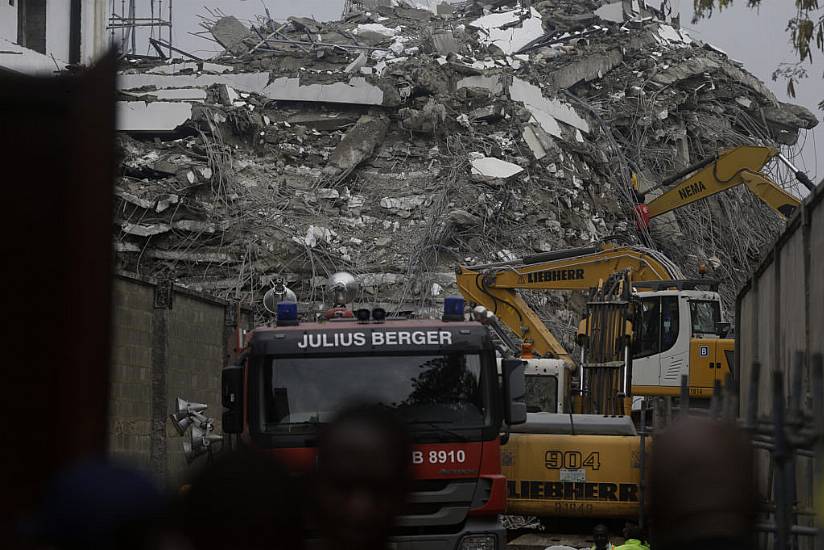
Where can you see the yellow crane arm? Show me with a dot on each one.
(513, 311)
(770, 193)
(495, 286)
(736, 166)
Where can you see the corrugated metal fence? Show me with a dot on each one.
(778, 367)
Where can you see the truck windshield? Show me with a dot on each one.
(431, 392)
(704, 315)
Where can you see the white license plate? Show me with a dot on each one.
(577, 476)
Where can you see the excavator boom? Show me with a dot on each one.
(736, 166)
(495, 286)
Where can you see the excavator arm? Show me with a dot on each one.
(496, 286)
(736, 166)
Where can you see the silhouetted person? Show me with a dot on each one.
(362, 478)
(102, 505)
(243, 501)
(600, 538)
(701, 488)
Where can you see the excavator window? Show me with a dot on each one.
(647, 334)
(657, 326)
(669, 321)
(704, 315)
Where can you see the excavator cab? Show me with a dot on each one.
(678, 330)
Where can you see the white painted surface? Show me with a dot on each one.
(94, 40)
(57, 28)
(23, 60)
(8, 21)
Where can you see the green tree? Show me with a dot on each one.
(806, 30)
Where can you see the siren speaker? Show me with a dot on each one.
(181, 421)
(189, 406)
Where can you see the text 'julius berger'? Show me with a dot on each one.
(384, 338)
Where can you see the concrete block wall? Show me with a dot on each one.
(130, 406)
(196, 357)
(164, 348)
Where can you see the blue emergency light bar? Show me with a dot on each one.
(287, 313)
(453, 308)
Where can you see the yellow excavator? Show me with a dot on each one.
(560, 464)
(731, 167)
(582, 455)
(678, 325)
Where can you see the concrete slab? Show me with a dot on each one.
(491, 167)
(376, 28)
(547, 112)
(173, 68)
(174, 94)
(587, 69)
(511, 39)
(611, 12)
(357, 64)
(245, 82)
(145, 230)
(491, 83)
(231, 33)
(444, 42)
(533, 142)
(322, 121)
(153, 117)
(356, 92)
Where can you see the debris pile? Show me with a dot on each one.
(407, 138)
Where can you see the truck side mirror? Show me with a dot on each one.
(722, 328)
(232, 390)
(514, 382)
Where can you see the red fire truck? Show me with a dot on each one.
(440, 376)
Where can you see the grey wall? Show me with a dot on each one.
(781, 312)
(160, 351)
(8, 21)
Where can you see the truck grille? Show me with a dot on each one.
(438, 504)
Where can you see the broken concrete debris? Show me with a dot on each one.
(408, 137)
(232, 34)
(510, 31)
(493, 168)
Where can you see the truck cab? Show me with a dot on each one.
(439, 376)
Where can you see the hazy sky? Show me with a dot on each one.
(758, 39)
(755, 37)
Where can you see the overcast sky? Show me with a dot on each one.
(756, 37)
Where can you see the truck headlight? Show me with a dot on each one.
(479, 542)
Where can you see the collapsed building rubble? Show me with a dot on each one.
(409, 137)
